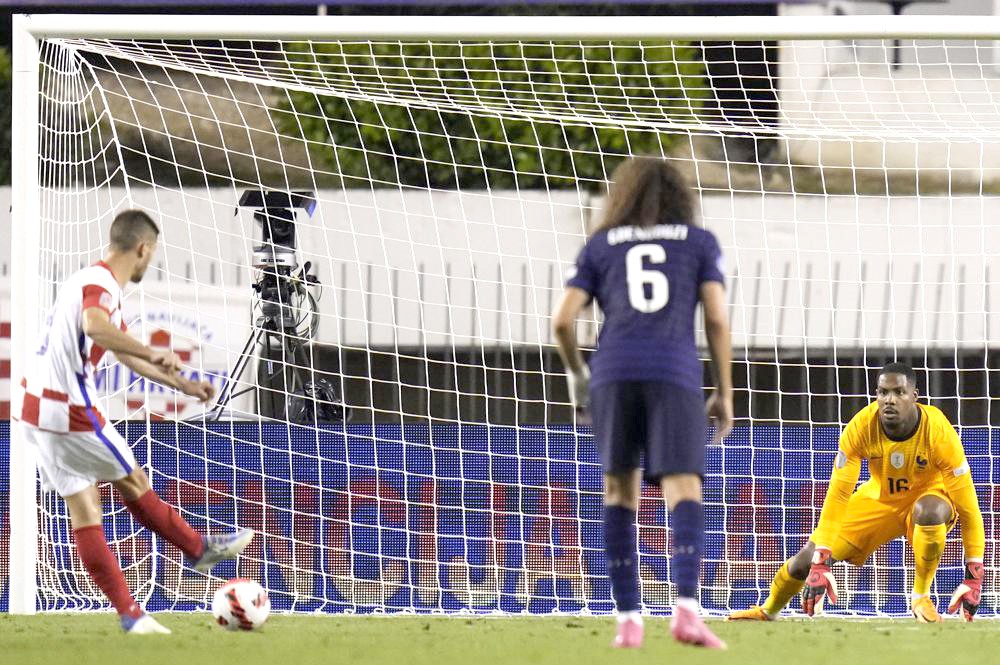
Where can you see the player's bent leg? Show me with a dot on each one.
(134, 485)
(621, 499)
(150, 511)
(787, 582)
(92, 548)
(153, 513)
(930, 516)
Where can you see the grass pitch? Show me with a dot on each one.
(95, 638)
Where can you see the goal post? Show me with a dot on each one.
(707, 28)
(25, 240)
(399, 433)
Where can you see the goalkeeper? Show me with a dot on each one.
(920, 486)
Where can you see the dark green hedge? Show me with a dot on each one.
(519, 115)
(5, 102)
(538, 114)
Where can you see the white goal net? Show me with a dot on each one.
(395, 422)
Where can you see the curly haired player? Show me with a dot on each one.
(648, 266)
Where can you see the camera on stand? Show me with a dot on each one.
(280, 285)
(285, 320)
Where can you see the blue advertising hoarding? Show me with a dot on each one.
(471, 518)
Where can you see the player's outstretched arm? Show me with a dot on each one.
(966, 596)
(958, 483)
(564, 328)
(720, 405)
(98, 327)
(203, 390)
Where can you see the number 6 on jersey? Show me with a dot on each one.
(638, 277)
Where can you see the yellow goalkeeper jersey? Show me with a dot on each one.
(931, 460)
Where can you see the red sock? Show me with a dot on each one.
(93, 550)
(151, 512)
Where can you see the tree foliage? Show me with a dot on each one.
(5, 118)
(503, 116)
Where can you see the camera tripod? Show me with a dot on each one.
(281, 281)
(265, 330)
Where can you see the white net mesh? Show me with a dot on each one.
(454, 183)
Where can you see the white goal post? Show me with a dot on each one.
(457, 164)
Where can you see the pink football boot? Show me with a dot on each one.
(629, 635)
(688, 628)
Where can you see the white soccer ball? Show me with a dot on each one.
(241, 604)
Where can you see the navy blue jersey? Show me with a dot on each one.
(646, 281)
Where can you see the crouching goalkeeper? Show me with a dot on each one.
(920, 487)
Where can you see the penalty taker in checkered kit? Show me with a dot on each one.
(76, 447)
(648, 267)
(920, 486)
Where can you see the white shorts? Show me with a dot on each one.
(70, 463)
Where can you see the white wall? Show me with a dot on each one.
(443, 268)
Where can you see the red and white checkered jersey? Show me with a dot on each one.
(57, 393)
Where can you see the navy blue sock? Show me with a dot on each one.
(688, 522)
(622, 555)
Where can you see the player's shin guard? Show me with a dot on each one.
(688, 522)
(928, 543)
(622, 555)
(784, 587)
(151, 512)
(93, 550)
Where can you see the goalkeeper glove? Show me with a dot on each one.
(819, 583)
(966, 596)
(579, 388)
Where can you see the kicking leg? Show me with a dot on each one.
(150, 511)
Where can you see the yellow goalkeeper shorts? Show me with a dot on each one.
(870, 523)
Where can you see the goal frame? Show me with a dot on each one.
(30, 30)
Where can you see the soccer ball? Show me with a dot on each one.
(241, 604)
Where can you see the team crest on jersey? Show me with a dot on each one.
(896, 460)
(921, 463)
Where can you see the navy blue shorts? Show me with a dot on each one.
(658, 420)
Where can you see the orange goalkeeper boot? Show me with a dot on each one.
(755, 613)
(925, 612)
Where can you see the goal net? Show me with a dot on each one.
(395, 423)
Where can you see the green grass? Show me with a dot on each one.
(95, 638)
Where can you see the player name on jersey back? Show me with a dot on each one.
(646, 280)
(621, 234)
